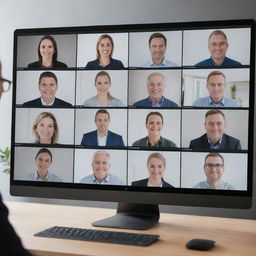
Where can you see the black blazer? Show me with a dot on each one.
(10, 244)
(144, 183)
(227, 143)
(37, 103)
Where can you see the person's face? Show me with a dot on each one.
(47, 49)
(156, 87)
(154, 125)
(100, 166)
(213, 168)
(157, 48)
(43, 162)
(102, 122)
(105, 47)
(217, 47)
(215, 126)
(156, 168)
(102, 84)
(216, 86)
(1, 83)
(48, 88)
(45, 129)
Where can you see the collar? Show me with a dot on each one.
(162, 64)
(158, 104)
(45, 104)
(103, 135)
(105, 181)
(212, 103)
(214, 146)
(213, 63)
(38, 178)
(157, 145)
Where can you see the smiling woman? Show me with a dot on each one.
(47, 54)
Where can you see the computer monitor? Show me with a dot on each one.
(141, 114)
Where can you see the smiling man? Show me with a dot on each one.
(48, 86)
(215, 138)
(155, 87)
(216, 86)
(157, 45)
(218, 46)
(102, 136)
(101, 167)
(214, 169)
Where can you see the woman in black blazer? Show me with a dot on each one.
(156, 165)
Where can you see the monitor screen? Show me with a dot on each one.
(149, 113)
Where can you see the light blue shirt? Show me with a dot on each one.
(93, 102)
(165, 63)
(223, 185)
(49, 177)
(110, 180)
(208, 102)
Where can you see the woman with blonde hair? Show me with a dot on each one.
(103, 98)
(45, 128)
(104, 50)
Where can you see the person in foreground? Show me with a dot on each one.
(157, 45)
(218, 46)
(214, 169)
(156, 165)
(103, 98)
(43, 162)
(216, 86)
(10, 243)
(47, 55)
(156, 86)
(102, 136)
(45, 128)
(215, 138)
(101, 171)
(104, 51)
(154, 125)
(48, 86)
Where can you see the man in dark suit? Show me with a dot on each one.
(48, 86)
(215, 138)
(102, 136)
(10, 244)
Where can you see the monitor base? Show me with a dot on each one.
(132, 216)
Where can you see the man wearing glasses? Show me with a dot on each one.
(214, 169)
(215, 138)
(218, 46)
(10, 243)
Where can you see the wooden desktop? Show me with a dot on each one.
(233, 236)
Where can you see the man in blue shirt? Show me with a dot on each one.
(101, 166)
(157, 46)
(218, 46)
(215, 137)
(216, 86)
(214, 169)
(156, 87)
(102, 136)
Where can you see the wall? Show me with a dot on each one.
(55, 13)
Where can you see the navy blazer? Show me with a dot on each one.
(227, 143)
(10, 244)
(113, 139)
(144, 183)
(37, 103)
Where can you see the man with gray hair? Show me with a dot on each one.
(101, 167)
(218, 46)
(156, 86)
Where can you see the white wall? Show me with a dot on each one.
(61, 13)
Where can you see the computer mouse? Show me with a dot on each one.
(200, 244)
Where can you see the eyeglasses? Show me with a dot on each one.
(6, 84)
(211, 166)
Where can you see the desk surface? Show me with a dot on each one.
(232, 236)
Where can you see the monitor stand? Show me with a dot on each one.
(132, 216)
